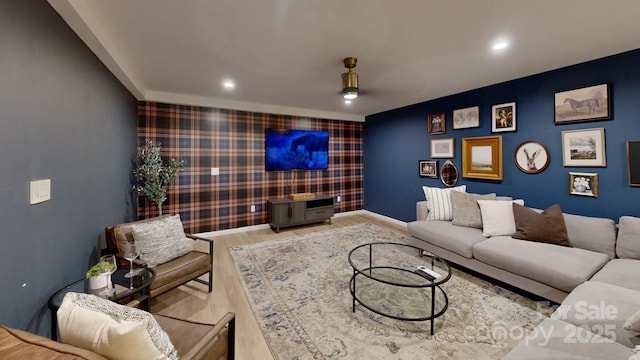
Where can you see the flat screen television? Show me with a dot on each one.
(296, 149)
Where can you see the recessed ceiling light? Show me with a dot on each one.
(500, 45)
(228, 84)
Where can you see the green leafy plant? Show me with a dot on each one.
(95, 269)
(153, 175)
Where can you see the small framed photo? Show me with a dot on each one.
(436, 123)
(466, 118)
(584, 147)
(442, 148)
(428, 168)
(633, 162)
(482, 157)
(585, 104)
(503, 117)
(531, 157)
(583, 184)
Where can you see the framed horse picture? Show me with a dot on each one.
(503, 117)
(584, 104)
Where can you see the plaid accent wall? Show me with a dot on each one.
(233, 141)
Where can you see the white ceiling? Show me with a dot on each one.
(286, 55)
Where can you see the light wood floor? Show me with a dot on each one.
(191, 301)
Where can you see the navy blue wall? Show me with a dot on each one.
(66, 118)
(394, 142)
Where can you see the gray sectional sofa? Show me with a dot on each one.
(598, 272)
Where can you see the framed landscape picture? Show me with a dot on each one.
(436, 123)
(585, 147)
(466, 118)
(503, 117)
(583, 184)
(584, 104)
(442, 148)
(428, 168)
(482, 157)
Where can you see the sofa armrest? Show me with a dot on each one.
(422, 210)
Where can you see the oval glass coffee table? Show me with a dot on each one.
(386, 281)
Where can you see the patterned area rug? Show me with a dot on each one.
(298, 288)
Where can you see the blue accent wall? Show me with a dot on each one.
(63, 117)
(394, 142)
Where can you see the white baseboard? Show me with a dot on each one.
(211, 234)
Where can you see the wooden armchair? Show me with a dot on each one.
(172, 273)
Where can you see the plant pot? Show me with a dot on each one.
(99, 282)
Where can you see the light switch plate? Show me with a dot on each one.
(215, 171)
(39, 191)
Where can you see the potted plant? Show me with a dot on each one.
(153, 175)
(98, 277)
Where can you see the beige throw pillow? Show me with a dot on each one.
(497, 217)
(546, 227)
(466, 211)
(439, 202)
(115, 331)
(161, 240)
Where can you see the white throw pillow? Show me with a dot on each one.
(497, 217)
(115, 331)
(161, 240)
(439, 202)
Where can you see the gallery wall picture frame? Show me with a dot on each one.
(584, 147)
(503, 117)
(436, 123)
(633, 162)
(589, 103)
(482, 157)
(466, 118)
(442, 148)
(428, 168)
(531, 157)
(583, 184)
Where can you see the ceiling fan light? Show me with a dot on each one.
(350, 85)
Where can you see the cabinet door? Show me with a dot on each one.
(297, 211)
(280, 214)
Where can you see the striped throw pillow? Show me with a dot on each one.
(439, 202)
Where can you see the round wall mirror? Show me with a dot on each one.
(449, 173)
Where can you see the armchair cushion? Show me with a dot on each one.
(112, 330)
(161, 240)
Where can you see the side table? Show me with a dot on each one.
(126, 288)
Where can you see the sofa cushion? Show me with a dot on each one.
(602, 308)
(161, 240)
(497, 217)
(561, 267)
(547, 227)
(466, 211)
(458, 239)
(554, 339)
(628, 243)
(592, 233)
(621, 272)
(439, 202)
(112, 330)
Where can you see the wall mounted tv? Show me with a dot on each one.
(296, 149)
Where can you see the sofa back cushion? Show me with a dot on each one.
(592, 233)
(628, 244)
